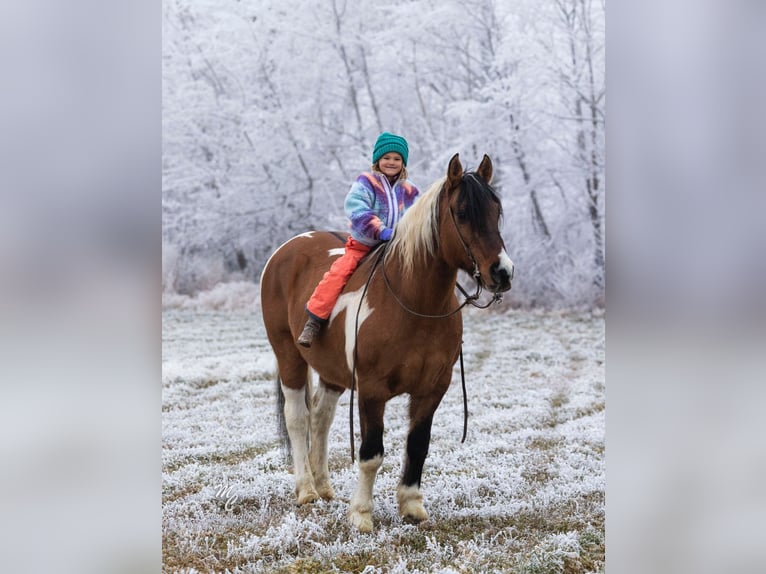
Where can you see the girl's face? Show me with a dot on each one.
(391, 164)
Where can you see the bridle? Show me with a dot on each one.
(469, 299)
(476, 272)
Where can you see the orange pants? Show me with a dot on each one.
(327, 292)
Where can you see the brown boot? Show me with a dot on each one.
(309, 332)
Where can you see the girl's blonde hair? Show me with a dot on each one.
(402, 174)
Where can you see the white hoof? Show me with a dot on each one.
(326, 491)
(362, 521)
(413, 512)
(411, 507)
(307, 496)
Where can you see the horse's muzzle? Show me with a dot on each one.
(501, 275)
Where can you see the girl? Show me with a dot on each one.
(375, 203)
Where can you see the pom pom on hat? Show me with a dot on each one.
(388, 142)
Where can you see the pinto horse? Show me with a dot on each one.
(395, 323)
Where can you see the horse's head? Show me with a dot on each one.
(473, 234)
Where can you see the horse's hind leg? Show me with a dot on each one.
(294, 374)
(322, 414)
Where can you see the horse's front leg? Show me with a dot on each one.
(370, 459)
(408, 494)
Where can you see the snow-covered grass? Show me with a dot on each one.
(524, 493)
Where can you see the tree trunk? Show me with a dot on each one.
(537, 212)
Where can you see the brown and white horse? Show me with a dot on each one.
(402, 347)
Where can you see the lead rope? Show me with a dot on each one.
(465, 396)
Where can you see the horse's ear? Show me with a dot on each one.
(455, 170)
(485, 169)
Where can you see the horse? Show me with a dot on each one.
(393, 330)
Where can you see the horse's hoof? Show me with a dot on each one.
(414, 514)
(415, 518)
(362, 521)
(325, 491)
(411, 507)
(412, 510)
(307, 497)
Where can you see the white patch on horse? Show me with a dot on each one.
(297, 421)
(335, 252)
(411, 503)
(350, 302)
(506, 263)
(360, 514)
(322, 414)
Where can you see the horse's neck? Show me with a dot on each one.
(429, 288)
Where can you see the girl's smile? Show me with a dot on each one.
(391, 165)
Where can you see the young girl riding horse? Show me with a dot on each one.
(374, 205)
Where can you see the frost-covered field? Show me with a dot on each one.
(524, 493)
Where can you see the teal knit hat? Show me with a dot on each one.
(389, 142)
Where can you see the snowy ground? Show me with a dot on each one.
(525, 493)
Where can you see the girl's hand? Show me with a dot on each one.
(386, 234)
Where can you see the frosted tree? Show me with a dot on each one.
(269, 113)
(577, 56)
(240, 171)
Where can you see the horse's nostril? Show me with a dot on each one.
(499, 274)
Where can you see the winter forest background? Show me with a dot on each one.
(271, 108)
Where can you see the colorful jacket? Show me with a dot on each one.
(372, 205)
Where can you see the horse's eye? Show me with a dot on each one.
(461, 215)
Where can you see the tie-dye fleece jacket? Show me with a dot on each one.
(372, 205)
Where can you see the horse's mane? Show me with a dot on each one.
(417, 232)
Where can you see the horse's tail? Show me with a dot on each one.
(282, 435)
